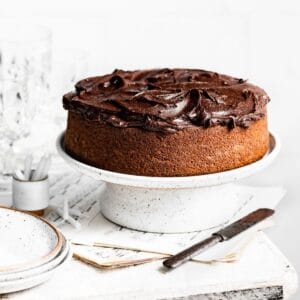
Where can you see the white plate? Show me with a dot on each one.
(38, 269)
(26, 241)
(170, 182)
(28, 282)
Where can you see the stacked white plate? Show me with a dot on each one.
(31, 250)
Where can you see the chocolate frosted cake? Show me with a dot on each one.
(166, 122)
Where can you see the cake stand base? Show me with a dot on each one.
(167, 210)
(169, 204)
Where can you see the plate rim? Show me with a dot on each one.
(42, 277)
(38, 269)
(192, 181)
(40, 260)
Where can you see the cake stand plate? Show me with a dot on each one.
(169, 204)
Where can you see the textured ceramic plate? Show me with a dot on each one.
(171, 182)
(26, 241)
(31, 281)
(38, 269)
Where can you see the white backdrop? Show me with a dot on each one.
(254, 39)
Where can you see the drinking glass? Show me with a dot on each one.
(25, 61)
(69, 66)
(15, 119)
(25, 56)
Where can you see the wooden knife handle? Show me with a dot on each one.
(187, 254)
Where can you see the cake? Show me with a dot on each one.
(166, 122)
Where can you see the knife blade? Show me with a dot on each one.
(222, 235)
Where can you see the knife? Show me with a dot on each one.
(222, 235)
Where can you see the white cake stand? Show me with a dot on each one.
(169, 204)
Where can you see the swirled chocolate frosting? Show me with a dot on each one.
(168, 99)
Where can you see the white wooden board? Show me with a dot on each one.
(262, 271)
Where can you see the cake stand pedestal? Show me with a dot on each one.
(169, 204)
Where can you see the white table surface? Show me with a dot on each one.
(77, 280)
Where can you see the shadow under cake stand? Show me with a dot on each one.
(169, 204)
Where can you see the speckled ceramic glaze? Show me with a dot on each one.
(25, 282)
(31, 250)
(169, 204)
(26, 241)
(12, 276)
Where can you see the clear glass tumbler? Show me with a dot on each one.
(25, 56)
(69, 66)
(15, 120)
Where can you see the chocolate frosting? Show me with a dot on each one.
(168, 100)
